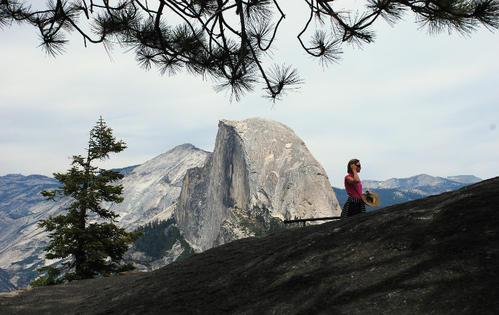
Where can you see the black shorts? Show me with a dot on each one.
(353, 206)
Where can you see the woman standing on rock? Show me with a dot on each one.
(353, 186)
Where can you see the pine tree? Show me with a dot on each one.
(85, 238)
(229, 40)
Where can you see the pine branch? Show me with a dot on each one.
(213, 37)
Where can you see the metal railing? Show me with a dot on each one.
(304, 221)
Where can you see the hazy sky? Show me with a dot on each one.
(410, 103)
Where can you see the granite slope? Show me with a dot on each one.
(436, 255)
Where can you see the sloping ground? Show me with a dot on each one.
(438, 255)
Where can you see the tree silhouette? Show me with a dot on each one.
(226, 40)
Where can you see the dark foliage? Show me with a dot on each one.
(157, 237)
(227, 39)
(85, 238)
(51, 276)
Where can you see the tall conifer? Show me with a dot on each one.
(86, 238)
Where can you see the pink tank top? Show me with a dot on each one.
(354, 190)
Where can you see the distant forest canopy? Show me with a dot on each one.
(160, 236)
(229, 41)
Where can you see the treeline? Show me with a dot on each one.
(159, 237)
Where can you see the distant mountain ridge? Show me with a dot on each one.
(398, 190)
(465, 179)
(424, 182)
(19, 192)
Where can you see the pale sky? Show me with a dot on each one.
(409, 103)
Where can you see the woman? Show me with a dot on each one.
(353, 186)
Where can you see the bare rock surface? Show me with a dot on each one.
(436, 255)
(151, 188)
(260, 171)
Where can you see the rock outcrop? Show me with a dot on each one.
(152, 188)
(259, 174)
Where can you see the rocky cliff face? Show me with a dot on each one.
(259, 174)
(152, 188)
